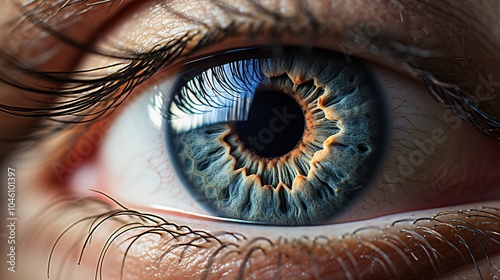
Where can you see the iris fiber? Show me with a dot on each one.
(289, 139)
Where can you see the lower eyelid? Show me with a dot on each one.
(424, 245)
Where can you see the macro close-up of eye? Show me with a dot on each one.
(250, 140)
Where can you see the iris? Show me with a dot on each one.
(288, 137)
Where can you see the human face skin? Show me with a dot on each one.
(393, 233)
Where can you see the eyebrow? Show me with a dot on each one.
(390, 43)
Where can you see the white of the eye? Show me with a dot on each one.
(133, 163)
(153, 109)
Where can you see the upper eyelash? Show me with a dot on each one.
(89, 99)
(463, 105)
(103, 93)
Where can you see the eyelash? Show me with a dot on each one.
(131, 220)
(428, 232)
(468, 110)
(100, 95)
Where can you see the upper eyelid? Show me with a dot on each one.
(142, 65)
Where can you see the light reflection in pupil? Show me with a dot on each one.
(220, 94)
(275, 124)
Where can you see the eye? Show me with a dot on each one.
(363, 142)
(402, 155)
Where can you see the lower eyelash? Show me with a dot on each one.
(131, 220)
(465, 236)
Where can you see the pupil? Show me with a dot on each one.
(275, 124)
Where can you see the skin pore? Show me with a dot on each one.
(441, 221)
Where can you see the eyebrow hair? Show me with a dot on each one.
(87, 99)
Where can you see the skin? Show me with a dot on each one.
(432, 223)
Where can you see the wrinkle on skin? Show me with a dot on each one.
(297, 257)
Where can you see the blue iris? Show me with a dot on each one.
(289, 139)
